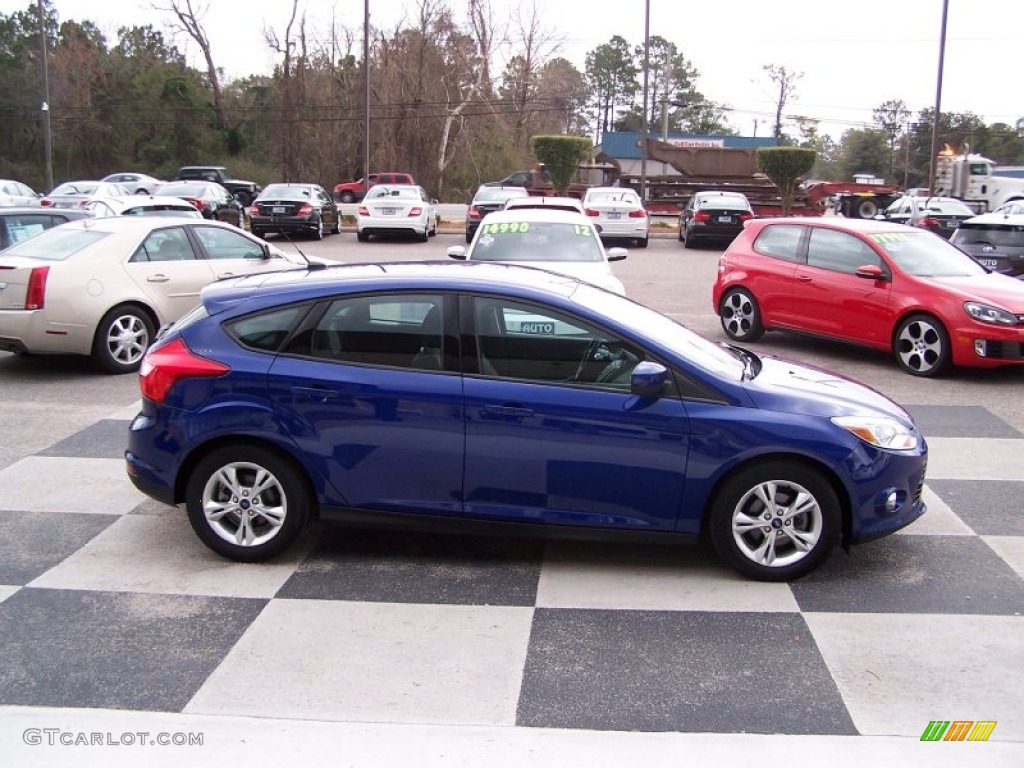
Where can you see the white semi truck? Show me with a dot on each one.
(972, 178)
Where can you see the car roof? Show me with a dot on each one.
(21, 210)
(116, 224)
(544, 200)
(865, 226)
(300, 284)
(553, 215)
(1011, 219)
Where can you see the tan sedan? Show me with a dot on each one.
(102, 287)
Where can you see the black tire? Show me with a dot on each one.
(469, 237)
(740, 316)
(336, 229)
(866, 209)
(689, 241)
(681, 234)
(241, 219)
(424, 236)
(273, 517)
(786, 540)
(641, 242)
(259, 233)
(362, 237)
(318, 232)
(921, 346)
(122, 338)
(348, 197)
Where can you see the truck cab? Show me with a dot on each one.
(971, 178)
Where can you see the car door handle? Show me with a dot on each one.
(159, 278)
(804, 278)
(227, 274)
(509, 412)
(314, 394)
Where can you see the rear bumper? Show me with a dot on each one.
(28, 331)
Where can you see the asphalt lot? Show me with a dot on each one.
(567, 653)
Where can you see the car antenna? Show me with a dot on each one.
(312, 265)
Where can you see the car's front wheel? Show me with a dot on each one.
(921, 346)
(775, 521)
(122, 338)
(246, 503)
(740, 316)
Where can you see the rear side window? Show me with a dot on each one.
(839, 251)
(23, 226)
(781, 241)
(266, 331)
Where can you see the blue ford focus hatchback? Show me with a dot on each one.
(441, 394)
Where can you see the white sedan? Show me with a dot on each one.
(396, 209)
(142, 205)
(102, 287)
(557, 241)
(619, 212)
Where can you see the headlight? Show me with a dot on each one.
(879, 431)
(986, 314)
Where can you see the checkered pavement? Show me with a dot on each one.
(108, 601)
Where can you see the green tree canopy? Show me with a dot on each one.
(561, 156)
(786, 166)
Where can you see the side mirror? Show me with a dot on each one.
(648, 379)
(457, 252)
(617, 254)
(871, 272)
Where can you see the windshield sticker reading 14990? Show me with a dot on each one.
(506, 227)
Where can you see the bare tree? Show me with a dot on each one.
(785, 86)
(189, 20)
(285, 46)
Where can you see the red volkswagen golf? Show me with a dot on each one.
(875, 283)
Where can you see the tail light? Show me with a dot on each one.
(305, 210)
(46, 202)
(746, 216)
(35, 295)
(474, 212)
(928, 221)
(162, 368)
(592, 212)
(641, 214)
(364, 211)
(254, 210)
(702, 217)
(417, 211)
(199, 204)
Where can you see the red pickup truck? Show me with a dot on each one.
(354, 191)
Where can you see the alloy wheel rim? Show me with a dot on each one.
(244, 504)
(127, 339)
(777, 523)
(738, 314)
(920, 346)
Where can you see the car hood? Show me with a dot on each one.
(1002, 290)
(594, 272)
(785, 385)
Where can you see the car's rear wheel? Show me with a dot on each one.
(689, 241)
(362, 237)
(641, 242)
(246, 503)
(740, 316)
(336, 228)
(240, 221)
(122, 338)
(318, 231)
(775, 521)
(469, 237)
(921, 346)
(259, 233)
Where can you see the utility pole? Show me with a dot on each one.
(938, 102)
(366, 94)
(643, 141)
(47, 137)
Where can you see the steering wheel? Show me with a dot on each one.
(622, 363)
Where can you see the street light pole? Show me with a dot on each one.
(643, 141)
(938, 101)
(47, 138)
(366, 94)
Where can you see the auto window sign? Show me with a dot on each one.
(890, 237)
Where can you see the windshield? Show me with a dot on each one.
(537, 241)
(497, 194)
(75, 189)
(1006, 235)
(614, 196)
(952, 207)
(924, 255)
(403, 193)
(56, 244)
(664, 331)
(286, 190)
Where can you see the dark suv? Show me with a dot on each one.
(245, 191)
(995, 240)
(487, 200)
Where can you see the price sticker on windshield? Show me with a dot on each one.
(507, 227)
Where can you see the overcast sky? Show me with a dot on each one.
(853, 56)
